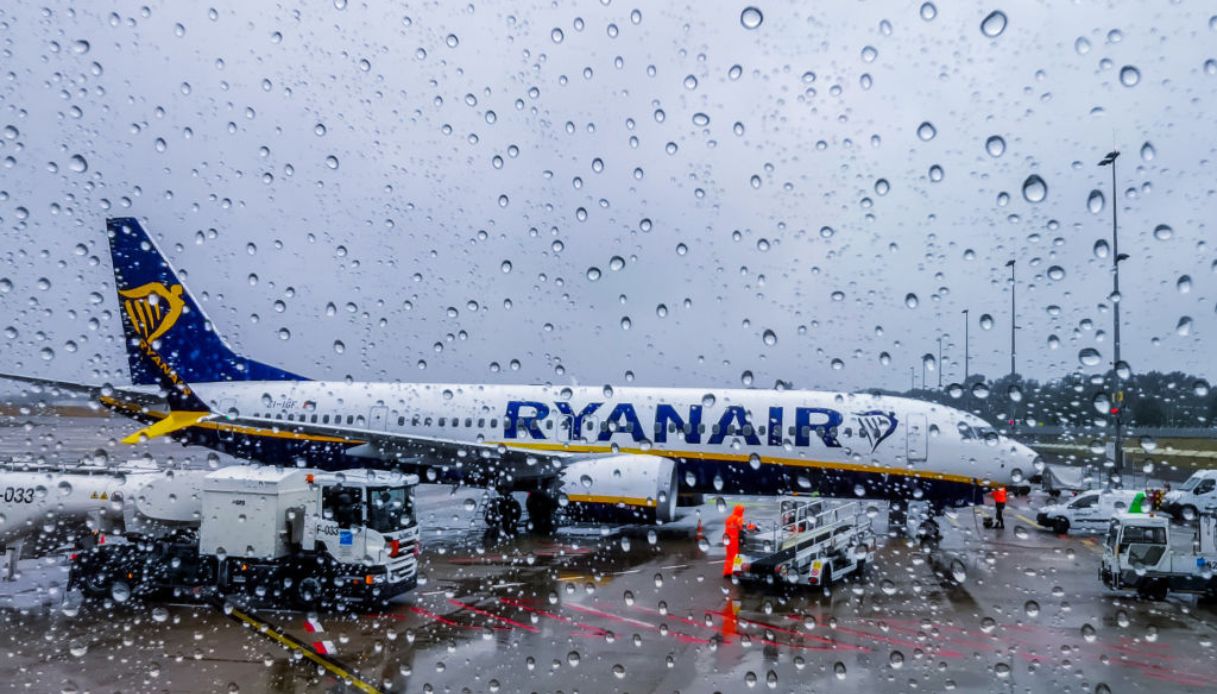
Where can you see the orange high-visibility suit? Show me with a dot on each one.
(735, 523)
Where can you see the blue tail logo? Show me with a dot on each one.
(170, 341)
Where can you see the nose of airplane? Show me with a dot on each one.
(1021, 464)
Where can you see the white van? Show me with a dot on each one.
(1087, 512)
(1197, 495)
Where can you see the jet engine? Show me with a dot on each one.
(624, 485)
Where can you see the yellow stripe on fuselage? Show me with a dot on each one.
(598, 499)
(233, 428)
(740, 458)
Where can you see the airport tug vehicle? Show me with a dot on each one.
(812, 543)
(294, 537)
(1143, 554)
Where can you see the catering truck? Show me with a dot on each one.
(812, 543)
(291, 536)
(1146, 553)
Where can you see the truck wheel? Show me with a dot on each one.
(1152, 589)
(1060, 526)
(1187, 513)
(95, 582)
(307, 592)
(826, 576)
(541, 509)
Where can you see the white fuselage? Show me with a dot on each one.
(730, 441)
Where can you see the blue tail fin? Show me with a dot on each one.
(167, 334)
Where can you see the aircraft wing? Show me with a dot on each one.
(134, 397)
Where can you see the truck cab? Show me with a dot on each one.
(1146, 553)
(1196, 496)
(1090, 511)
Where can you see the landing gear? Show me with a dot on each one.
(897, 515)
(502, 513)
(542, 508)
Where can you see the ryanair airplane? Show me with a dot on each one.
(636, 449)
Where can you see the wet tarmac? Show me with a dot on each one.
(644, 609)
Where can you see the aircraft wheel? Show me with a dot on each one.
(503, 512)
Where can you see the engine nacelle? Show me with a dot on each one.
(634, 485)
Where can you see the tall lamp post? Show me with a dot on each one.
(1117, 393)
(940, 362)
(1013, 328)
(965, 347)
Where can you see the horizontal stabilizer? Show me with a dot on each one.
(174, 421)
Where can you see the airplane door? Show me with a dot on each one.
(377, 417)
(918, 440)
(227, 407)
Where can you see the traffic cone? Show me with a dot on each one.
(699, 534)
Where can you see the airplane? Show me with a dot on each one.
(634, 449)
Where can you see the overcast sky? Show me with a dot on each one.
(444, 178)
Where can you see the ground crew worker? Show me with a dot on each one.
(735, 524)
(999, 501)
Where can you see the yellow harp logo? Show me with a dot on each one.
(152, 308)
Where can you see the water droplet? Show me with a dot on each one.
(882, 186)
(1095, 202)
(936, 173)
(926, 131)
(994, 24)
(1184, 284)
(1101, 249)
(1148, 152)
(78, 164)
(1089, 356)
(690, 82)
(1034, 189)
(1129, 76)
(735, 72)
(331, 161)
(770, 338)
(1184, 327)
(928, 11)
(339, 347)
(751, 17)
(593, 273)
(1163, 232)
(556, 35)
(995, 146)
(1056, 273)
(1081, 45)
(506, 266)
(1032, 608)
(911, 300)
(701, 119)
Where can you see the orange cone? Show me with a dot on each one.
(699, 535)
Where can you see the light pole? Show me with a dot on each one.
(940, 362)
(1117, 394)
(1013, 318)
(912, 379)
(965, 347)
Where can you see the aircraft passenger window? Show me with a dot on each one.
(442, 421)
(747, 430)
(715, 430)
(401, 421)
(456, 421)
(350, 419)
(469, 422)
(494, 424)
(549, 424)
(313, 419)
(481, 422)
(428, 422)
(790, 430)
(849, 432)
(279, 416)
(701, 428)
(325, 419)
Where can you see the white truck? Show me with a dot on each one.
(1145, 553)
(299, 537)
(1090, 511)
(1198, 495)
(812, 543)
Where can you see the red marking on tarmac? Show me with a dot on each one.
(485, 613)
(804, 635)
(636, 622)
(592, 631)
(891, 640)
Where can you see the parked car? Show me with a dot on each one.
(1089, 511)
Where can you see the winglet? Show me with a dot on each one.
(175, 420)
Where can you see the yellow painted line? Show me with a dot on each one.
(1091, 545)
(739, 458)
(1028, 521)
(265, 629)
